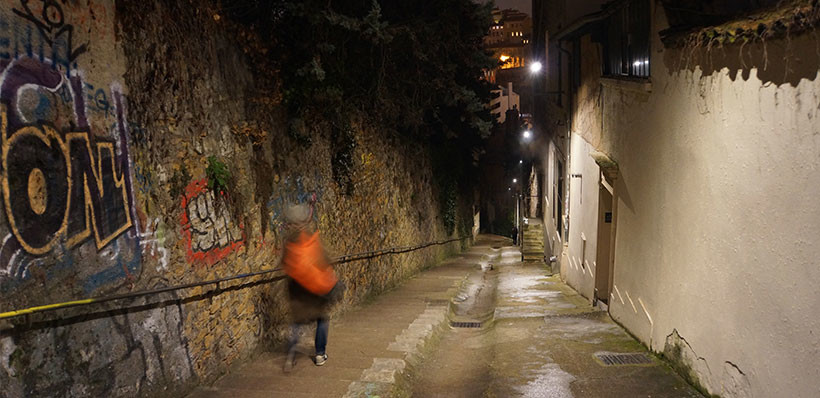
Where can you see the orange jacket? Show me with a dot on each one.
(305, 262)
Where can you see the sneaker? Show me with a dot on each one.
(290, 361)
(321, 359)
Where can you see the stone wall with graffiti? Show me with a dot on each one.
(112, 116)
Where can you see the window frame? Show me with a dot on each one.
(627, 41)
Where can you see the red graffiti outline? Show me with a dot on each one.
(209, 257)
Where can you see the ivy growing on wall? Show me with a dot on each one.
(410, 67)
(415, 66)
(218, 175)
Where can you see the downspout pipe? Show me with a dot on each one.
(570, 89)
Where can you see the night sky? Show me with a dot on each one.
(520, 5)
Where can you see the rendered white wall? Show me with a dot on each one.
(719, 226)
(579, 270)
(718, 229)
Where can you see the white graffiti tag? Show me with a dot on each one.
(152, 241)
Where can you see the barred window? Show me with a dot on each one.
(626, 52)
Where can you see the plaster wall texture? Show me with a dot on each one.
(553, 244)
(110, 113)
(717, 232)
(582, 244)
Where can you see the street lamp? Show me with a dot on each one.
(535, 67)
(526, 134)
(515, 180)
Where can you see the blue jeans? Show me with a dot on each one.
(320, 341)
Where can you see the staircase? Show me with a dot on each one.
(533, 247)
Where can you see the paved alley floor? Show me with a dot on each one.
(482, 324)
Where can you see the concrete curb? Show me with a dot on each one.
(388, 376)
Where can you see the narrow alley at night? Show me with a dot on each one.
(374, 198)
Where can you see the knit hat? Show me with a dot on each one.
(297, 214)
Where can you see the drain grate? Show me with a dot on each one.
(613, 359)
(465, 324)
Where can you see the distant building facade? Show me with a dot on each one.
(505, 99)
(509, 40)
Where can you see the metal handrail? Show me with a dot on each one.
(142, 293)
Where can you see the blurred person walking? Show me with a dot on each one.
(312, 284)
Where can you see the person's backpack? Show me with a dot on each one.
(305, 262)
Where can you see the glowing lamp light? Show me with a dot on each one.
(504, 58)
(515, 180)
(527, 134)
(535, 67)
(520, 161)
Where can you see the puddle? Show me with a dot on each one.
(524, 311)
(587, 330)
(550, 382)
(527, 289)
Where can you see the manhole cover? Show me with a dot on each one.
(465, 324)
(613, 359)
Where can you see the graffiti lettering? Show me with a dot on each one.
(210, 231)
(54, 186)
(152, 240)
(51, 25)
(60, 188)
(293, 190)
(64, 183)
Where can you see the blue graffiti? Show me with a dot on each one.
(143, 176)
(125, 265)
(120, 255)
(293, 190)
(41, 35)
